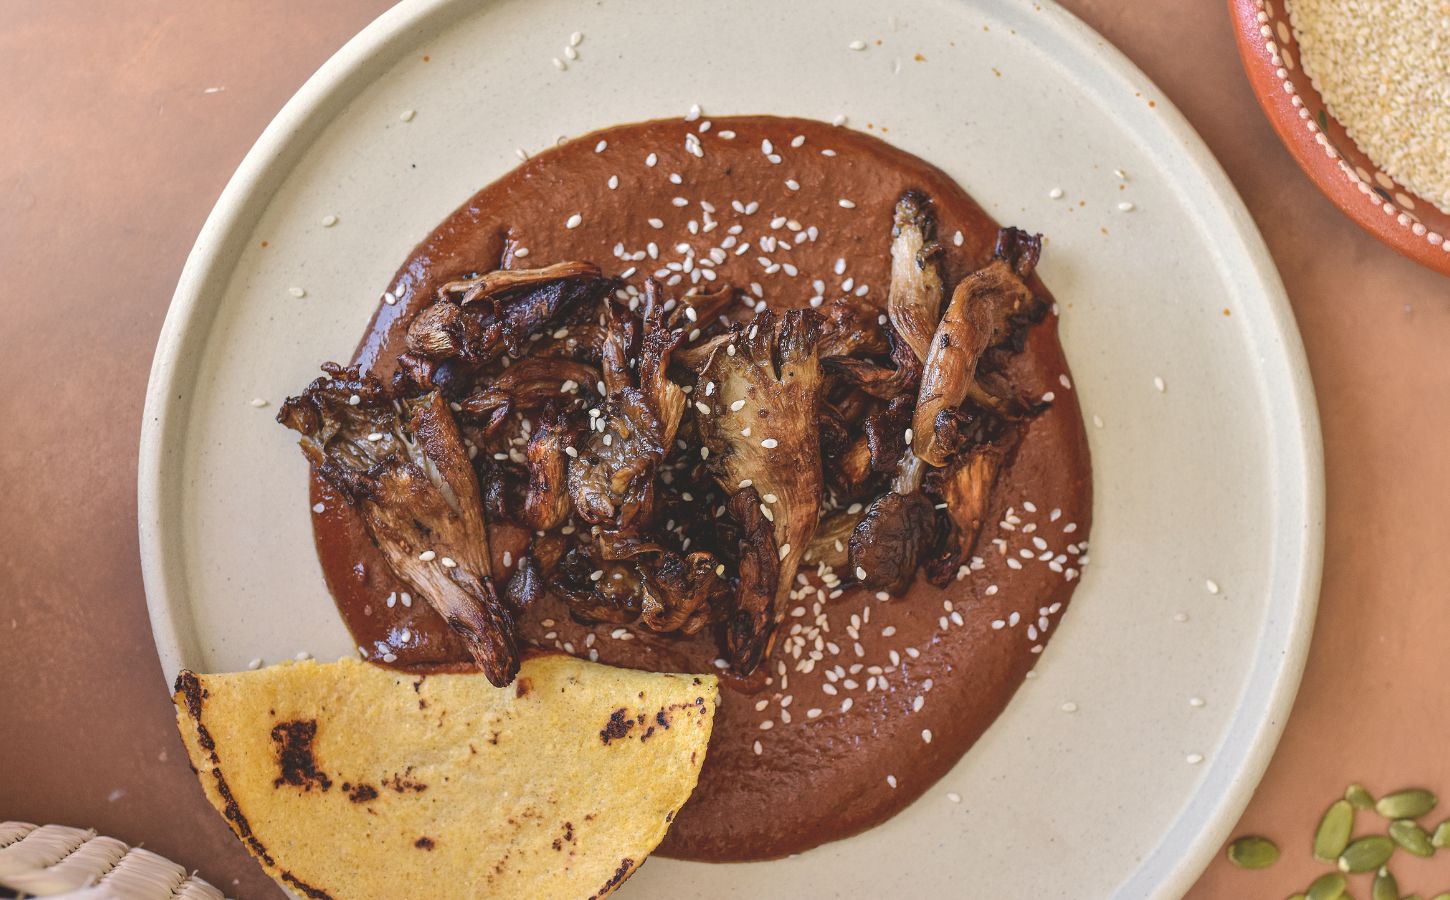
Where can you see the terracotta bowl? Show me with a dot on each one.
(1349, 178)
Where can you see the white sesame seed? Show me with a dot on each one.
(1055, 193)
(1069, 707)
(917, 703)
(302, 655)
(651, 160)
(1211, 585)
(1193, 759)
(297, 292)
(926, 735)
(846, 204)
(858, 45)
(574, 221)
(427, 556)
(1159, 384)
(1125, 206)
(770, 443)
(407, 115)
(559, 64)
(1195, 702)
(448, 562)
(329, 220)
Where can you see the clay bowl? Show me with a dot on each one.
(1349, 178)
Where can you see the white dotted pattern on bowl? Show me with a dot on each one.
(1403, 212)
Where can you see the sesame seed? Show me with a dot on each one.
(1211, 585)
(1195, 702)
(302, 655)
(1193, 759)
(1055, 193)
(522, 154)
(576, 38)
(613, 182)
(329, 220)
(448, 562)
(758, 749)
(651, 160)
(926, 735)
(1159, 384)
(559, 64)
(601, 146)
(891, 780)
(297, 292)
(407, 115)
(574, 221)
(694, 112)
(770, 443)
(918, 703)
(1125, 206)
(406, 599)
(1069, 707)
(255, 664)
(846, 204)
(858, 45)
(427, 556)
(767, 725)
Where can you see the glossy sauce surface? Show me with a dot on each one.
(805, 751)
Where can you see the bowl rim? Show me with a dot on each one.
(1284, 107)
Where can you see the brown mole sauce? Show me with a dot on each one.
(819, 773)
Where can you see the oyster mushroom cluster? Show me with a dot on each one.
(680, 463)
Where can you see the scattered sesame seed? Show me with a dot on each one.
(1069, 707)
(1055, 193)
(846, 204)
(1195, 702)
(613, 182)
(329, 220)
(256, 403)
(1125, 206)
(297, 292)
(891, 780)
(1211, 585)
(574, 221)
(427, 556)
(576, 38)
(651, 160)
(926, 735)
(1097, 421)
(407, 115)
(770, 443)
(448, 562)
(601, 146)
(302, 655)
(255, 664)
(1180, 617)
(571, 54)
(1193, 759)
(758, 749)
(559, 64)
(1159, 383)
(858, 45)
(406, 599)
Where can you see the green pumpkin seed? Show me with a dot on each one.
(1358, 797)
(1253, 852)
(1366, 854)
(1385, 886)
(1329, 886)
(1441, 837)
(1334, 830)
(1407, 804)
(1444, 896)
(1408, 834)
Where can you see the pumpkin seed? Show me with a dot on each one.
(1444, 896)
(1441, 837)
(1358, 797)
(1329, 886)
(1366, 854)
(1407, 804)
(1334, 830)
(1408, 834)
(1385, 886)
(1253, 853)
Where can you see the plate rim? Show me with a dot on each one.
(215, 254)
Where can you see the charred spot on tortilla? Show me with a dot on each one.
(424, 843)
(618, 726)
(295, 758)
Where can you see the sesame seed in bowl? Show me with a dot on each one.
(1359, 93)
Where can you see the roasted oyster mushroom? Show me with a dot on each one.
(526, 385)
(887, 543)
(749, 630)
(914, 302)
(977, 318)
(402, 463)
(546, 504)
(612, 480)
(477, 320)
(965, 487)
(757, 403)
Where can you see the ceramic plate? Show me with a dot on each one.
(1202, 420)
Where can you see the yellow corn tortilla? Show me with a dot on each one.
(347, 780)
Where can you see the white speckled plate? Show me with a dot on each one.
(1218, 476)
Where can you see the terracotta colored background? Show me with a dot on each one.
(111, 154)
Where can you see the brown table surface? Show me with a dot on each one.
(112, 154)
